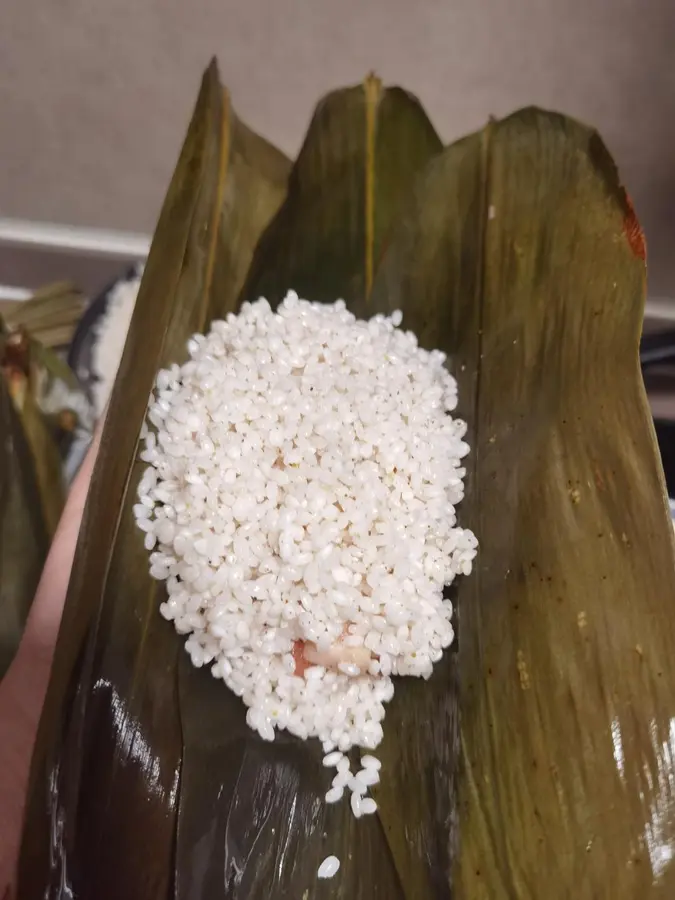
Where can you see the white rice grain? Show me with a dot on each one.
(334, 794)
(328, 867)
(368, 777)
(332, 759)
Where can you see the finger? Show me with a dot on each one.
(23, 689)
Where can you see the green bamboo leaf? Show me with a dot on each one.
(566, 637)
(44, 452)
(50, 315)
(24, 540)
(108, 754)
(23, 373)
(363, 148)
(60, 400)
(362, 151)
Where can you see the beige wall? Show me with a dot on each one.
(95, 96)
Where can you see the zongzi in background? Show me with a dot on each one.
(44, 413)
(50, 315)
(24, 535)
(96, 349)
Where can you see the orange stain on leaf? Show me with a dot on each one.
(597, 475)
(633, 232)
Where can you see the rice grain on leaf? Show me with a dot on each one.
(108, 756)
(566, 635)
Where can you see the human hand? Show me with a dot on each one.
(23, 689)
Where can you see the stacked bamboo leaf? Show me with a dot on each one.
(538, 760)
(42, 407)
(24, 537)
(32, 490)
(50, 315)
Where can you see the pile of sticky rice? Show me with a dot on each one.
(299, 502)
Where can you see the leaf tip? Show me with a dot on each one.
(372, 85)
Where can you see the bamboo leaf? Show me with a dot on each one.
(362, 151)
(23, 537)
(21, 375)
(108, 755)
(45, 454)
(566, 637)
(50, 315)
(61, 400)
(363, 148)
